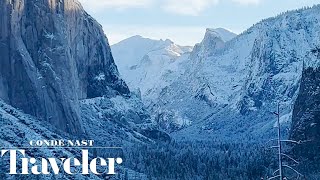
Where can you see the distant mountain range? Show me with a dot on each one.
(149, 65)
(228, 84)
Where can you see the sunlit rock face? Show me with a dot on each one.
(54, 54)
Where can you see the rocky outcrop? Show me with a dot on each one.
(54, 54)
(306, 114)
(214, 40)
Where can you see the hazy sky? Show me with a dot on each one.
(183, 21)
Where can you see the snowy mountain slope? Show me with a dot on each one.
(119, 121)
(17, 129)
(234, 86)
(149, 65)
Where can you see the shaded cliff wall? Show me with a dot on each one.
(53, 54)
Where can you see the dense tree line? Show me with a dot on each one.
(202, 160)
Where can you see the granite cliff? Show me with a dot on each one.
(53, 54)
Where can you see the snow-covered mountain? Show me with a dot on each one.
(18, 128)
(222, 33)
(230, 89)
(149, 65)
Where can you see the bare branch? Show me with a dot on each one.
(274, 173)
(290, 158)
(293, 169)
(274, 177)
(292, 141)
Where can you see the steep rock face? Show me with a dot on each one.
(214, 39)
(53, 54)
(306, 114)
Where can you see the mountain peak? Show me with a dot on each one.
(136, 37)
(145, 63)
(136, 47)
(221, 33)
(167, 41)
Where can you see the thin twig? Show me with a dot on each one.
(290, 158)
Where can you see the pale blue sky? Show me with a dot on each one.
(183, 21)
